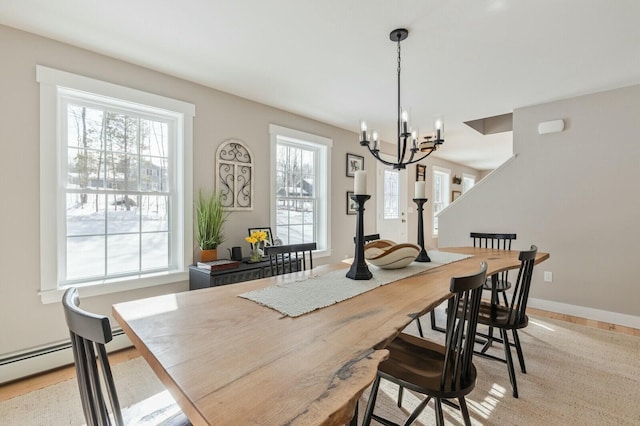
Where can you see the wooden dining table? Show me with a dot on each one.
(230, 361)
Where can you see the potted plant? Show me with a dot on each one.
(210, 220)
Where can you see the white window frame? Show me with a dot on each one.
(445, 195)
(466, 177)
(323, 186)
(52, 217)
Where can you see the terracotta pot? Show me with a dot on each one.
(208, 255)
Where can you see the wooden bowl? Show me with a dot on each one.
(387, 254)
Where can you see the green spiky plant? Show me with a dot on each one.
(211, 217)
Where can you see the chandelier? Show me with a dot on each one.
(406, 134)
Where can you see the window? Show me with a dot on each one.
(391, 194)
(441, 179)
(467, 182)
(300, 187)
(115, 196)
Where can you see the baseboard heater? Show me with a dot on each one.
(27, 363)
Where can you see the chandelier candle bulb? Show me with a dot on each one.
(363, 130)
(439, 127)
(405, 119)
(421, 189)
(360, 183)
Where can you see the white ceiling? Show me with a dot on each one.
(332, 59)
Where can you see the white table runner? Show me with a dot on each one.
(313, 292)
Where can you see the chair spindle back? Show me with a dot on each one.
(290, 258)
(520, 296)
(462, 321)
(89, 334)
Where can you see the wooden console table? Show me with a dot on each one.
(202, 278)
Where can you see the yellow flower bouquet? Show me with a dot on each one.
(257, 239)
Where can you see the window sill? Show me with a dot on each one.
(97, 288)
(322, 253)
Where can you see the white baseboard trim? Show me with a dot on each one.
(584, 312)
(48, 360)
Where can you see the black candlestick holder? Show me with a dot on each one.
(359, 269)
(423, 256)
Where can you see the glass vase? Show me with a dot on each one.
(256, 253)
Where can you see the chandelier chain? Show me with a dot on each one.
(399, 58)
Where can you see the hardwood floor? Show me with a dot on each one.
(29, 384)
(587, 322)
(39, 381)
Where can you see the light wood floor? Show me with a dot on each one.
(29, 384)
(39, 381)
(587, 322)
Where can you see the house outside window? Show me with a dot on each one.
(300, 187)
(115, 199)
(441, 179)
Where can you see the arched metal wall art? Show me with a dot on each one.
(234, 169)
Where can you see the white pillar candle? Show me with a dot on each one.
(421, 189)
(360, 183)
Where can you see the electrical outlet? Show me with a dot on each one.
(548, 276)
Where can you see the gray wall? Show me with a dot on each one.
(26, 322)
(456, 169)
(569, 194)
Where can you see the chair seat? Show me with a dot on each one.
(501, 285)
(417, 363)
(498, 316)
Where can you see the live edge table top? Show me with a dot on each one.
(228, 360)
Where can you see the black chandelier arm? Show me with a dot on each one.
(400, 164)
(404, 150)
(376, 153)
(413, 153)
(411, 161)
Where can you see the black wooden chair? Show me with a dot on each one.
(498, 283)
(510, 317)
(89, 334)
(290, 258)
(439, 372)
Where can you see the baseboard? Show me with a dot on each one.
(584, 312)
(27, 363)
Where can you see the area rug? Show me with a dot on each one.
(576, 375)
(144, 399)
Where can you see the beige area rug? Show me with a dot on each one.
(576, 376)
(146, 400)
